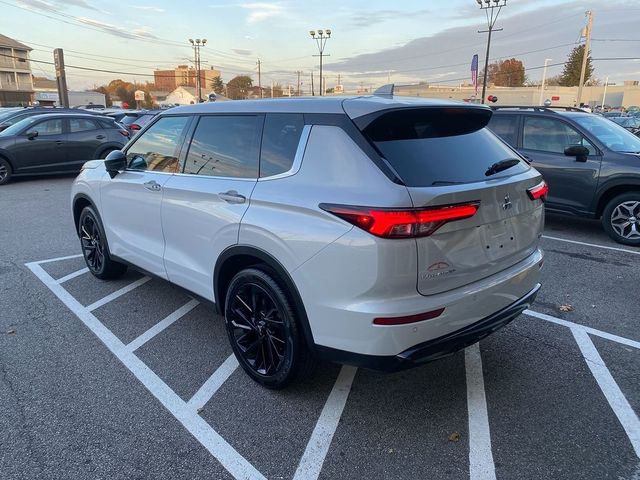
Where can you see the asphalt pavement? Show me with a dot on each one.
(134, 379)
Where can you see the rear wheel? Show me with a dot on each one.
(264, 331)
(104, 154)
(5, 171)
(621, 218)
(94, 247)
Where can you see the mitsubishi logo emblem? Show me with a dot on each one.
(507, 202)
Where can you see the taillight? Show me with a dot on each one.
(124, 133)
(539, 191)
(408, 319)
(402, 223)
(134, 126)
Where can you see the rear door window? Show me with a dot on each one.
(81, 125)
(505, 126)
(436, 147)
(551, 135)
(280, 140)
(225, 146)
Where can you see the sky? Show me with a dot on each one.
(372, 41)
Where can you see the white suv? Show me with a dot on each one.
(376, 231)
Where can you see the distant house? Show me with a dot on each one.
(16, 86)
(188, 96)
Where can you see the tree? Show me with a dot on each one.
(571, 74)
(554, 81)
(238, 87)
(506, 73)
(217, 85)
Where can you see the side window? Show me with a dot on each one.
(551, 135)
(505, 127)
(48, 127)
(225, 146)
(157, 149)
(280, 139)
(81, 125)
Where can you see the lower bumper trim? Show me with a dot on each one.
(436, 348)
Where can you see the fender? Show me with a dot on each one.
(276, 266)
(9, 158)
(76, 214)
(107, 146)
(611, 183)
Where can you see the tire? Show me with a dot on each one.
(264, 330)
(621, 218)
(104, 154)
(5, 171)
(94, 247)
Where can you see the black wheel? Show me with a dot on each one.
(263, 330)
(621, 218)
(94, 247)
(104, 154)
(5, 171)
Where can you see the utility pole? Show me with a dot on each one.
(61, 77)
(313, 94)
(298, 72)
(544, 77)
(489, 6)
(271, 88)
(604, 95)
(196, 49)
(260, 81)
(321, 37)
(585, 56)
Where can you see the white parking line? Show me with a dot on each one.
(75, 274)
(311, 463)
(591, 331)
(50, 260)
(161, 325)
(626, 250)
(215, 381)
(117, 293)
(481, 466)
(619, 404)
(228, 457)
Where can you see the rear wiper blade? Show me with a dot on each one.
(446, 182)
(501, 166)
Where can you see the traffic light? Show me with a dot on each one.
(492, 98)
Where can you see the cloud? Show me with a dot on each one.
(262, 11)
(118, 31)
(368, 18)
(55, 6)
(242, 51)
(148, 8)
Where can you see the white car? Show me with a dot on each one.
(377, 231)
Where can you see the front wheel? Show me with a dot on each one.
(264, 331)
(95, 249)
(5, 171)
(621, 218)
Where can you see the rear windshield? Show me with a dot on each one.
(129, 119)
(434, 148)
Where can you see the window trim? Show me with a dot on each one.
(192, 132)
(297, 159)
(567, 124)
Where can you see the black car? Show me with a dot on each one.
(57, 143)
(591, 164)
(630, 122)
(14, 115)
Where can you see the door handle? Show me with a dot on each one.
(59, 142)
(152, 185)
(101, 137)
(232, 197)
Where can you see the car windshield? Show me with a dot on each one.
(627, 122)
(612, 135)
(18, 126)
(6, 113)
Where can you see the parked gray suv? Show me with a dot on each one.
(591, 164)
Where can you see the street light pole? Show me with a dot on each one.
(321, 37)
(544, 77)
(197, 43)
(489, 6)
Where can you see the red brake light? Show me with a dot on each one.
(539, 191)
(124, 133)
(405, 223)
(134, 126)
(408, 319)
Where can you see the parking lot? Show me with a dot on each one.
(135, 379)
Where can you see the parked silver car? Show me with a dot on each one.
(377, 231)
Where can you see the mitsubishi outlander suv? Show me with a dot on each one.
(375, 231)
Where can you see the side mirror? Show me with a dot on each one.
(115, 162)
(581, 153)
(31, 135)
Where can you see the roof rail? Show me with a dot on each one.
(385, 90)
(537, 108)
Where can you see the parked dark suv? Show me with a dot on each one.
(592, 165)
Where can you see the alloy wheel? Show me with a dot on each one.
(3, 172)
(92, 245)
(258, 329)
(625, 220)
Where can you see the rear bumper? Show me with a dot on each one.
(436, 348)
